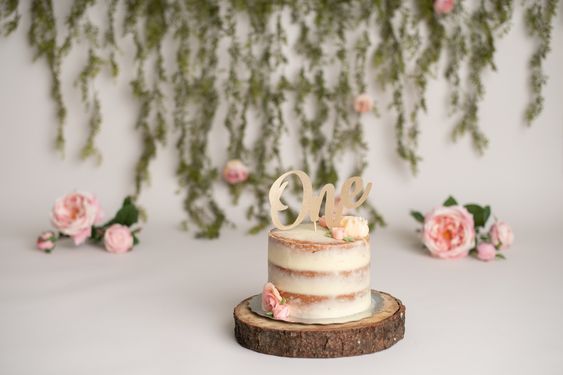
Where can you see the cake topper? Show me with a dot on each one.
(311, 203)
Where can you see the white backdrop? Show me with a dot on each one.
(521, 176)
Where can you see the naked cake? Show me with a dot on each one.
(318, 274)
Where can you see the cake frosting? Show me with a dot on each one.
(320, 277)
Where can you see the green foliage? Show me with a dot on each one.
(418, 216)
(341, 49)
(538, 17)
(451, 201)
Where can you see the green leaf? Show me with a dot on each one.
(348, 239)
(418, 216)
(450, 202)
(500, 256)
(135, 240)
(486, 214)
(478, 214)
(127, 215)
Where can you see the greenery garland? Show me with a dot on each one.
(341, 46)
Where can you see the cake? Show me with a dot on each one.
(317, 275)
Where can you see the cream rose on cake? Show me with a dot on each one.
(449, 232)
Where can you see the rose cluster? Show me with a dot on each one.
(351, 228)
(79, 216)
(453, 231)
(273, 303)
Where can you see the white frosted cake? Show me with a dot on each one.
(318, 276)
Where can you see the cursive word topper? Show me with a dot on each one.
(311, 203)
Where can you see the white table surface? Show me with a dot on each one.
(166, 307)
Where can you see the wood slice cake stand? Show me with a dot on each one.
(377, 332)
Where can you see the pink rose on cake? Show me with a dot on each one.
(448, 232)
(235, 172)
(273, 303)
(501, 235)
(118, 239)
(74, 214)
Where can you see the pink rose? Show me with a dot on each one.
(363, 103)
(281, 312)
(501, 235)
(46, 241)
(118, 239)
(271, 298)
(337, 233)
(74, 215)
(235, 172)
(486, 251)
(443, 6)
(449, 232)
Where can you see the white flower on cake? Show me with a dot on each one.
(355, 227)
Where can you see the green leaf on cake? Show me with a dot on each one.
(450, 202)
(418, 216)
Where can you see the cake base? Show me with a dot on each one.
(377, 332)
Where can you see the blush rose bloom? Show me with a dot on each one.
(363, 103)
(486, 251)
(74, 214)
(337, 233)
(271, 298)
(118, 239)
(281, 312)
(443, 6)
(235, 172)
(501, 235)
(46, 241)
(449, 232)
(355, 227)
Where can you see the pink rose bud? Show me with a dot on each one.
(443, 6)
(338, 233)
(448, 232)
(118, 239)
(46, 241)
(235, 172)
(486, 251)
(271, 298)
(74, 214)
(322, 222)
(363, 103)
(501, 235)
(281, 312)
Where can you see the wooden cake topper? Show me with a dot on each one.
(311, 203)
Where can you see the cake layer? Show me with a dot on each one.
(311, 307)
(319, 283)
(303, 249)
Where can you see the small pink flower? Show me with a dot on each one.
(118, 239)
(337, 233)
(363, 103)
(281, 312)
(46, 241)
(322, 222)
(235, 172)
(449, 232)
(355, 227)
(443, 6)
(486, 251)
(74, 214)
(271, 298)
(501, 235)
